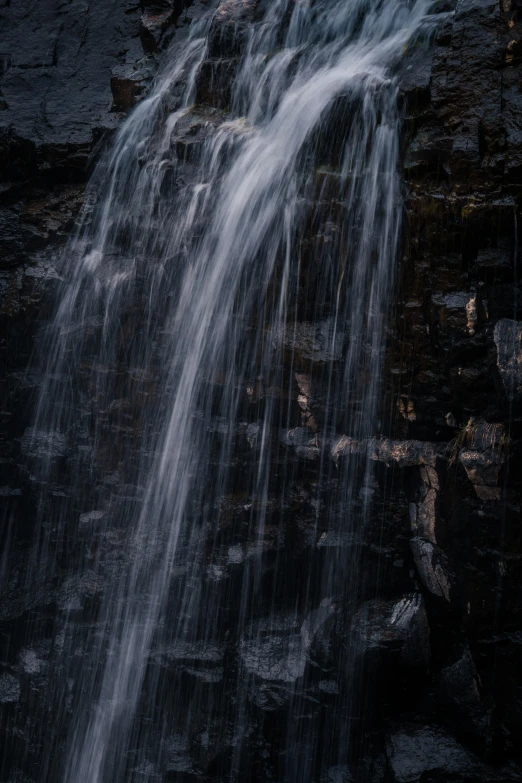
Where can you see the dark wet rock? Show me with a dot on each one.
(91, 519)
(303, 441)
(33, 660)
(192, 131)
(372, 769)
(227, 37)
(336, 539)
(29, 226)
(269, 696)
(427, 151)
(317, 626)
(338, 774)
(508, 340)
(423, 511)
(177, 751)
(275, 657)
(317, 342)
(482, 470)
(301, 436)
(462, 213)
(9, 688)
(16, 598)
(190, 651)
(40, 443)
(214, 83)
(252, 433)
(76, 591)
(482, 455)
(19, 777)
(278, 649)
(453, 355)
(273, 650)
(457, 689)
(405, 453)
(415, 78)
(391, 627)
(432, 567)
(494, 263)
(240, 553)
(470, 105)
(129, 83)
(305, 398)
(414, 751)
(199, 660)
(229, 27)
(457, 311)
(155, 21)
(70, 44)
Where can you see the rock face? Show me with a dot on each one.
(389, 626)
(436, 627)
(55, 83)
(458, 381)
(508, 339)
(413, 752)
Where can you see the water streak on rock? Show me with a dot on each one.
(180, 334)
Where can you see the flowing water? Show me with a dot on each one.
(223, 319)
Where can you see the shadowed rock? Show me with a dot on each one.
(402, 626)
(431, 564)
(508, 340)
(414, 751)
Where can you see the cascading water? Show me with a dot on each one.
(212, 338)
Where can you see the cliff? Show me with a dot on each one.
(440, 607)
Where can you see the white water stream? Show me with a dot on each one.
(213, 261)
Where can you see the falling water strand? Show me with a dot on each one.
(185, 296)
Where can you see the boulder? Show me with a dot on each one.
(274, 657)
(414, 751)
(277, 649)
(457, 690)
(395, 627)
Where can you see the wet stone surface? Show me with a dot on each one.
(436, 613)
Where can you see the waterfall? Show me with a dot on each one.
(223, 318)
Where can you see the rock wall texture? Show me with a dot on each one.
(456, 375)
(440, 617)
